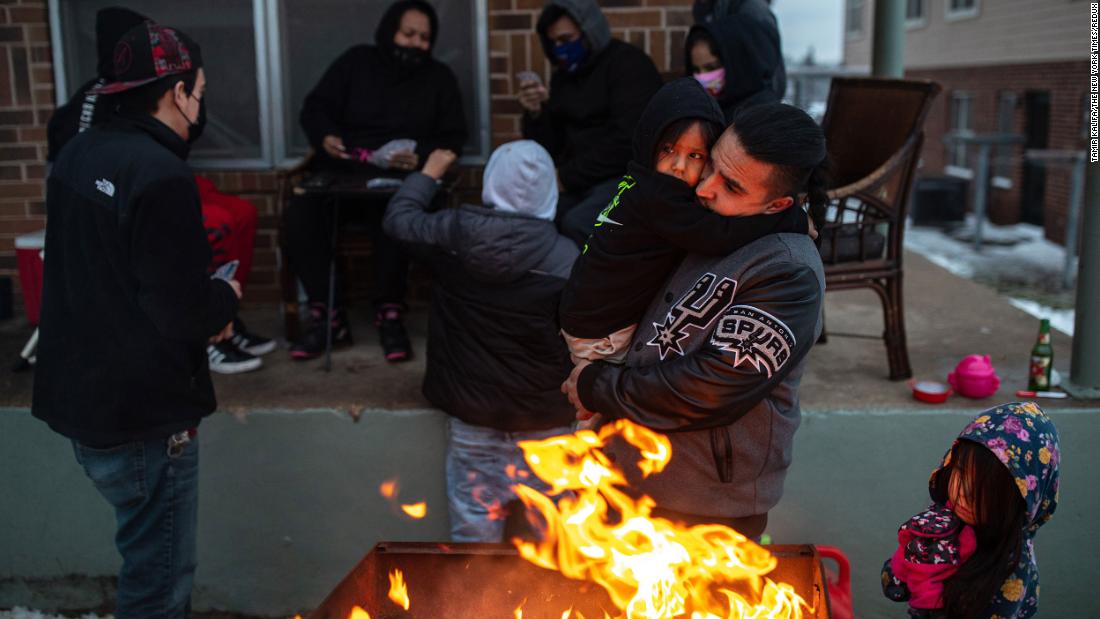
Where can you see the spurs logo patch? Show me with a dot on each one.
(696, 310)
(756, 338)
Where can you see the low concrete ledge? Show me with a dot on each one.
(289, 502)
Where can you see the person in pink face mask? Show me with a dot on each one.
(735, 60)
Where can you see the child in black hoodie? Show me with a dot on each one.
(653, 221)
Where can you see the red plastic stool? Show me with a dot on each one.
(839, 583)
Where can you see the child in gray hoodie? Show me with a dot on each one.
(495, 361)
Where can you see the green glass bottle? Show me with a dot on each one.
(1042, 360)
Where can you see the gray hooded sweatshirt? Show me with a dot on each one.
(495, 358)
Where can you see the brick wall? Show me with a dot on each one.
(1067, 83)
(26, 102)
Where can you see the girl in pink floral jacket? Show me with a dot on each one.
(971, 553)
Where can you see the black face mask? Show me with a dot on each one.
(195, 127)
(409, 57)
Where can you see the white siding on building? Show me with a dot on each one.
(1003, 32)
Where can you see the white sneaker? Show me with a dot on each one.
(249, 342)
(226, 358)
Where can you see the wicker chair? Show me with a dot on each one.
(874, 131)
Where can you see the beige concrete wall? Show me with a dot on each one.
(1002, 32)
(289, 503)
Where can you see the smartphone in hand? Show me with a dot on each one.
(528, 77)
(227, 270)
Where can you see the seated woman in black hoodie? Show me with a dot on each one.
(736, 59)
(370, 96)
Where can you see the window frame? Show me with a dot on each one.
(859, 31)
(921, 20)
(953, 150)
(274, 149)
(1002, 172)
(950, 14)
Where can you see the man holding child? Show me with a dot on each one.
(717, 358)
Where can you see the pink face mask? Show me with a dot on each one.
(712, 81)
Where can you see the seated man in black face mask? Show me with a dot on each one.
(371, 96)
(586, 117)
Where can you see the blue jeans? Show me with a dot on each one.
(477, 479)
(156, 500)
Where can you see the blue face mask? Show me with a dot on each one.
(571, 55)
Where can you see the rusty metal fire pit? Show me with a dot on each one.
(489, 581)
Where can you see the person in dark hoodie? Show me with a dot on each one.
(735, 59)
(495, 359)
(127, 310)
(653, 222)
(87, 107)
(586, 119)
(707, 11)
(971, 554)
(371, 96)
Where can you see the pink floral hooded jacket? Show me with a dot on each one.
(933, 544)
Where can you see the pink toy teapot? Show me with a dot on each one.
(975, 377)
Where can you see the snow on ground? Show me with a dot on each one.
(1016, 260)
(1061, 319)
(24, 613)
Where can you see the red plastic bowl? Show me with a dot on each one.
(930, 391)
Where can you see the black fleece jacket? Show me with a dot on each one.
(588, 122)
(127, 303)
(651, 224)
(367, 98)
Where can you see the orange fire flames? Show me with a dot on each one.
(416, 510)
(650, 567)
(399, 594)
(388, 488)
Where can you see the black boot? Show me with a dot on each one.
(312, 343)
(391, 333)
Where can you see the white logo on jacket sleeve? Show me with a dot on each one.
(755, 337)
(707, 299)
(105, 186)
